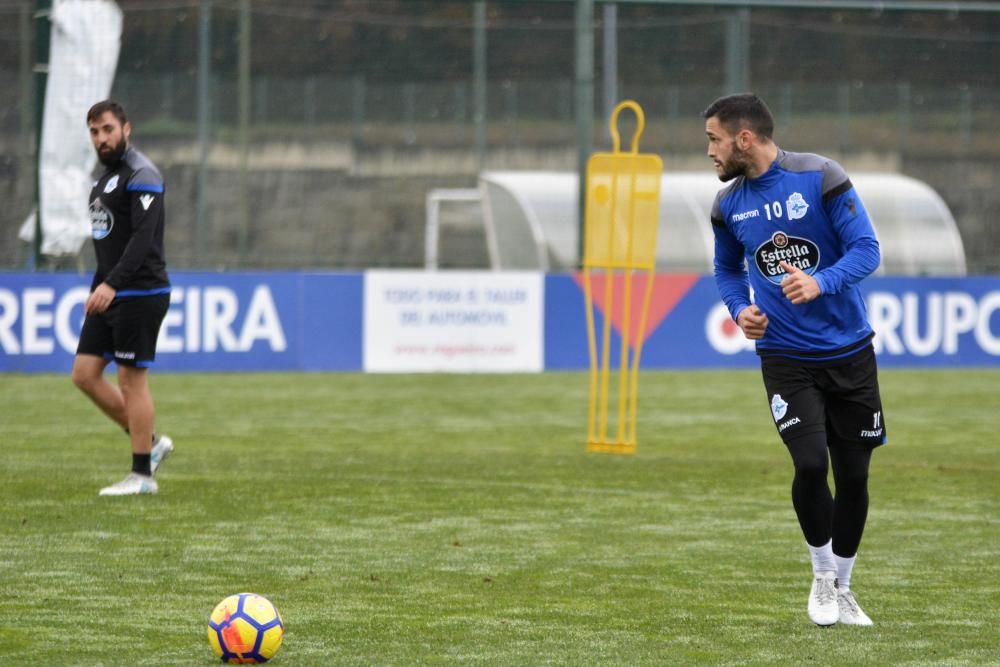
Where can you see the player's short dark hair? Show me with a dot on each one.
(744, 110)
(103, 106)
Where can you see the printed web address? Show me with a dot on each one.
(455, 350)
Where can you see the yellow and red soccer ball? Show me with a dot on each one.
(245, 629)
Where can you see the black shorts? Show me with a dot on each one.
(126, 332)
(840, 398)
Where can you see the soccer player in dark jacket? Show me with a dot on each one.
(129, 294)
(791, 228)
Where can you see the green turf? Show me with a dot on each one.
(439, 519)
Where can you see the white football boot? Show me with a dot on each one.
(132, 485)
(823, 607)
(161, 450)
(850, 612)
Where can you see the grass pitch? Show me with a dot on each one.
(441, 519)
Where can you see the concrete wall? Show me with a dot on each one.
(336, 205)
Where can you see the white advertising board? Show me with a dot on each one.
(453, 321)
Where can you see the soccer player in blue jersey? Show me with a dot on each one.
(792, 242)
(129, 294)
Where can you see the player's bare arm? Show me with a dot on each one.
(752, 322)
(798, 286)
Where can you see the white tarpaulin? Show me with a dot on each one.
(85, 40)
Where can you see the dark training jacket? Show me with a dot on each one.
(127, 218)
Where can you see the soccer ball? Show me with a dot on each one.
(245, 629)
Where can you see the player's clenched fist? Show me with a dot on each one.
(752, 322)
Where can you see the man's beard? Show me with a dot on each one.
(736, 165)
(112, 157)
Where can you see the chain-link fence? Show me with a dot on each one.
(307, 134)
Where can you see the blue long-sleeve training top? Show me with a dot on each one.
(805, 211)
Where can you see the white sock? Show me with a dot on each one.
(822, 558)
(844, 567)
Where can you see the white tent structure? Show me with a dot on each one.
(530, 222)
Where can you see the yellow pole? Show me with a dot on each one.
(605, 355)
(592, 350)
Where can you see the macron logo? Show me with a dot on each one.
(740, 217)
(146, 200)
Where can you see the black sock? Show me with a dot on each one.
(140, 464)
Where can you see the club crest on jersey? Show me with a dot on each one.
(778, 407)
(799, 252)
(111, 184)
(796, 206)
(101, 220)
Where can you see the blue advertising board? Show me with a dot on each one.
(250, 321)
(315, 321)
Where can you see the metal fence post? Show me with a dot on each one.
(965, 120)
(358, 107)
(844, 115)
(584, 108)
(610, 73)
(738, 52)
(243, 238)
(24, 79)
(43, 26)
(903, 91)
(479, 80)
(204, 118)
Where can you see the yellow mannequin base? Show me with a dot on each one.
(611, 447)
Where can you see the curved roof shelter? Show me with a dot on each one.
(530, 220)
